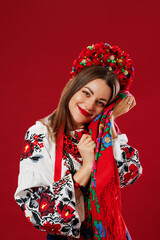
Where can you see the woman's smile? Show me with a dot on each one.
(85, 113)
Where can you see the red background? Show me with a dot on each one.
(39, 41)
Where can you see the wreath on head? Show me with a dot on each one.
(111, 57)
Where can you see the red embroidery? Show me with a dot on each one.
(52, 228)
(65, 211)
(28, 148)
(46, 204)
(31, 144)
(133, 172)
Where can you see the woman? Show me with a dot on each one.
(75, 160)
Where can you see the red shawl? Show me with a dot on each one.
(104, 201)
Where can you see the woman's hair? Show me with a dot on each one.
(60, 119)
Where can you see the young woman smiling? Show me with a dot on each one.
(75, 160)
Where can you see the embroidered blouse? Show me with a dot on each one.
(51, 206)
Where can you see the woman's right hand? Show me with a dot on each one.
(86, 147)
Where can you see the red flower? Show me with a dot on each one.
(118, 71)
(86, 52)
(133, 172)
(36, 137)
(94, 53)
(68, 172)
(103, 51)
(79, 67)
(41, 145)
(101, 47)
(126, 55)
(129, 63)
(112, 64)
(46, 204)
(105, 58)
(129, 152)
(35, 143)
(65, 211)
(28, 148)
(51, 228)
(115, 49)
(96, 61)
(89, 64)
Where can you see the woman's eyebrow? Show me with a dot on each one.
(93, 94)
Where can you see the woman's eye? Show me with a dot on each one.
(101, 103)
(86, 93)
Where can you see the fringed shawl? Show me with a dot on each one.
(103, 213)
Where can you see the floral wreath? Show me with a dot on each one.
(112, 58)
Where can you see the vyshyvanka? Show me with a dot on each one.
(46, 190)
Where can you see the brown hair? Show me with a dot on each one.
(60, 119)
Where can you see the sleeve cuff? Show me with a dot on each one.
(117, 142)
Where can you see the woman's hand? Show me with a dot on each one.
(86, 148)
(124, 106)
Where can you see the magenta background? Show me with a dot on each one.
(39, 41)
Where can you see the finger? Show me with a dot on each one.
(85, 139)
(88, 140)
(91, 147)
(85, 136)
(123, 100)
(133, 103)
(126, 98)
(91, 144)
(129, 101)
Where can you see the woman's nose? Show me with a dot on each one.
(90, 105)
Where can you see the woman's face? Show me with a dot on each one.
(88, 102)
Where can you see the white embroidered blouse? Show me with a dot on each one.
(51, 206)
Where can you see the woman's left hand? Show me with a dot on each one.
(124, 106)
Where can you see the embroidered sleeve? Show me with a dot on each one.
(49, 206)
(127, 159)
(52, 208)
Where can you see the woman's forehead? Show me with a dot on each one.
(99, 88)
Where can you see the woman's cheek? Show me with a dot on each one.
(80, 97)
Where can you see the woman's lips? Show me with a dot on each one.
(84, 112)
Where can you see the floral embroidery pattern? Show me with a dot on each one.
(28, 149)
(65, 211)
(52, 208)
(33, 142)
(46, 204)
(129, 151)
(129, 167)
(55, 228)
(133, 172)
